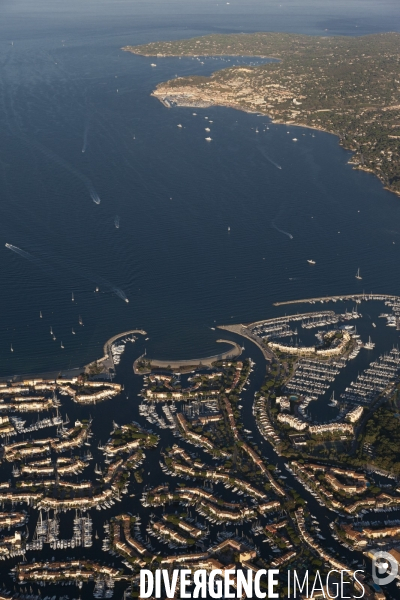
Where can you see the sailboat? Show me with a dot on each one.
(73, 298)
(333, 402)
(40, 315)
(358, 276)
(311, 261)
(369, 345)
(62, 345)
(80, 320)
(12, 349)
(73, 332)
(51, 330)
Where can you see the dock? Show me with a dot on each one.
(360, 297)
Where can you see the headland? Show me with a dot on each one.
(347, 86)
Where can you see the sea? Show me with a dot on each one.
(104, 199)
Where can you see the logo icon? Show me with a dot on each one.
(384, 568)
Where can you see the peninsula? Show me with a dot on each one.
(348, 86)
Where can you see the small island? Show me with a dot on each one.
(348, 86)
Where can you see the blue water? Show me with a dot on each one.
(77, 122)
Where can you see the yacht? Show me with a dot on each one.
(358, 276)
(373, 325)
(294, 140)
(208, 139)
(180, 126)
(311, 261)
(229, 228)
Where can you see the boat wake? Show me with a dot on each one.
(270, 159)
(69, 266)
(85, 138)
(65, 165)
(94, 196)
(33, 259)
(281, 230)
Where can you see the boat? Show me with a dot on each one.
(73, 298)
(333, 402)
(40, 315)
(153, 65)
(80, 320)
(180, 126)
(73, 332)
(373, 325)
(62, 345)
(358, 276)
(116, 222)
(12, 349)
(369, 345)
(229, 228)
(208, 139)
(294, 140)
(207, 129)
(311, 261)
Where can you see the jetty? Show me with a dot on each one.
(322, 299)
(192, 363)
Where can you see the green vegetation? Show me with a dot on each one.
(348, 86)
(382, 433)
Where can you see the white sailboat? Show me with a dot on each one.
(369, 345)
(40, 315)
(333, 402)
(12, 349)
(73, 297)
(358, 276)
(62, 345)
(311, 261)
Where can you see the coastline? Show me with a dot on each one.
(276, 121)
(75, 371)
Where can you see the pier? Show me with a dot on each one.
(355, 297)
